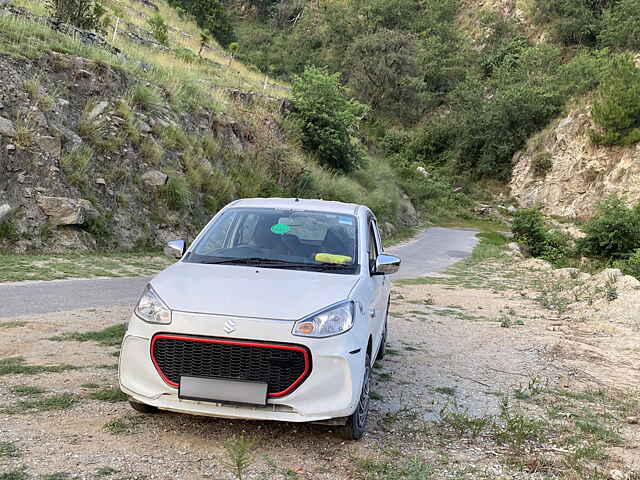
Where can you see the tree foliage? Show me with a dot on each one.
(617, 107)
(84, 14)
(327, 118)
(212, 16)
(614, 230)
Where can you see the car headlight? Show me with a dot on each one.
(334, 320)
(152, 309)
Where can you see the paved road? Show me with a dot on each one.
(433, 250)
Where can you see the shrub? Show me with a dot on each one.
(144, 97)
(630, 266)
(571, 21)
(75, 164)
(210, 15)
(621, 25)
(614, 230)
(529, 230)
(617, 107)
(81, 13)
(327, 118)
(159, 28)
(542, 163)
(177, 192)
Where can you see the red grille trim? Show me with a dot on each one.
(293, 386)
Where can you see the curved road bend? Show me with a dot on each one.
(433, 250)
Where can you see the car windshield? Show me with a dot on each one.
(280, 239)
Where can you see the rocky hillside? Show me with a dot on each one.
(562, 171)
(127, 144)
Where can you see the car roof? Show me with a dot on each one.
(298, 204)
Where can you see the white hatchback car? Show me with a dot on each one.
(275, 312)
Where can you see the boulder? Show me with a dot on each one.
(7, 128)
(50, 145)
(67, 211)
(5, 211)
(97, 110)
(154, 178)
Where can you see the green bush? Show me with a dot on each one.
(630, 266)
(327, 118)
(542, 163)
(613, 232)
(621, 25)
(159, 28)
(617, 107)
(81, 13)
(211, 15)
(571, 21)
(177, 193)
(529, 230)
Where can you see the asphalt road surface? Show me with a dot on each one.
(433, 250)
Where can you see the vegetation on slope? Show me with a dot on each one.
(455, 102)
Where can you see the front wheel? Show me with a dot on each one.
(356, 424)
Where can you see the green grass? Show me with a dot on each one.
(123, 426)
(53, 402)
(445, 390)
(8, 449)
(26, 390)
(90, 385)
(402, 236)
(110, 336)
(56, 476)
(14, 475)
(18, 267)
(106, 471)
(16, 366)
(13, 324)
(112, 395)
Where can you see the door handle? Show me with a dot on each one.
(372, 312)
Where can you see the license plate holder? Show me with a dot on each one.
(222, 390)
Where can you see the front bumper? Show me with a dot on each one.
(331, 390)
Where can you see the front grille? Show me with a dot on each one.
(282, 367)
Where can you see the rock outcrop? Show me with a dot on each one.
(565, 174)
(67, 211)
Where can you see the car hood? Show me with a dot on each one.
(244, 291)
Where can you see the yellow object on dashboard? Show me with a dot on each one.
(331, 258)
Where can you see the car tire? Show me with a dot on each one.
(143, 407)
(383, 343)
(357, 423)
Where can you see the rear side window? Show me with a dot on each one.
(372, 246)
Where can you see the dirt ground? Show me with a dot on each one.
(490, 375)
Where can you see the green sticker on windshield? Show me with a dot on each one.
(280, 229)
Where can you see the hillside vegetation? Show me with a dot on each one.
(129, 147)
(459, 87)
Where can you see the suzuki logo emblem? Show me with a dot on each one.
(230, 326)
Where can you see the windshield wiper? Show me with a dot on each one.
(246, 261)
(257, 261)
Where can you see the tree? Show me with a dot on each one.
(621, 25)
(327, 118)
(210, 15)
(617, 107)
(383, 73)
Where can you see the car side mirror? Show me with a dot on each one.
(387, 264)
(175, 248)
